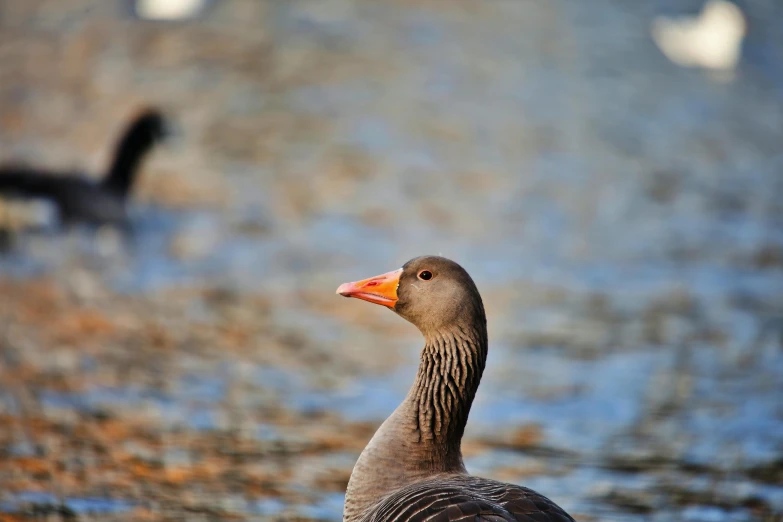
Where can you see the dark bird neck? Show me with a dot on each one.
(137, 141)
(422, 438)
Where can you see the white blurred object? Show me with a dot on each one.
(169, 9)
(712, 40)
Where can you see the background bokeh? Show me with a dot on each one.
(621, 215)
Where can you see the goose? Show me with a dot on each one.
(79, 199)
(412, 469)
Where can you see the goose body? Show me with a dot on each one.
(79, 199)
(412, 468)
(462, 497)
(76, 199)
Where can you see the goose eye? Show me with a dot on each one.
(425, 275)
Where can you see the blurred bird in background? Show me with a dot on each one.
(169, 10)
(78, 199)
(711, 40)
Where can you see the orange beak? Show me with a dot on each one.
(380, 289)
